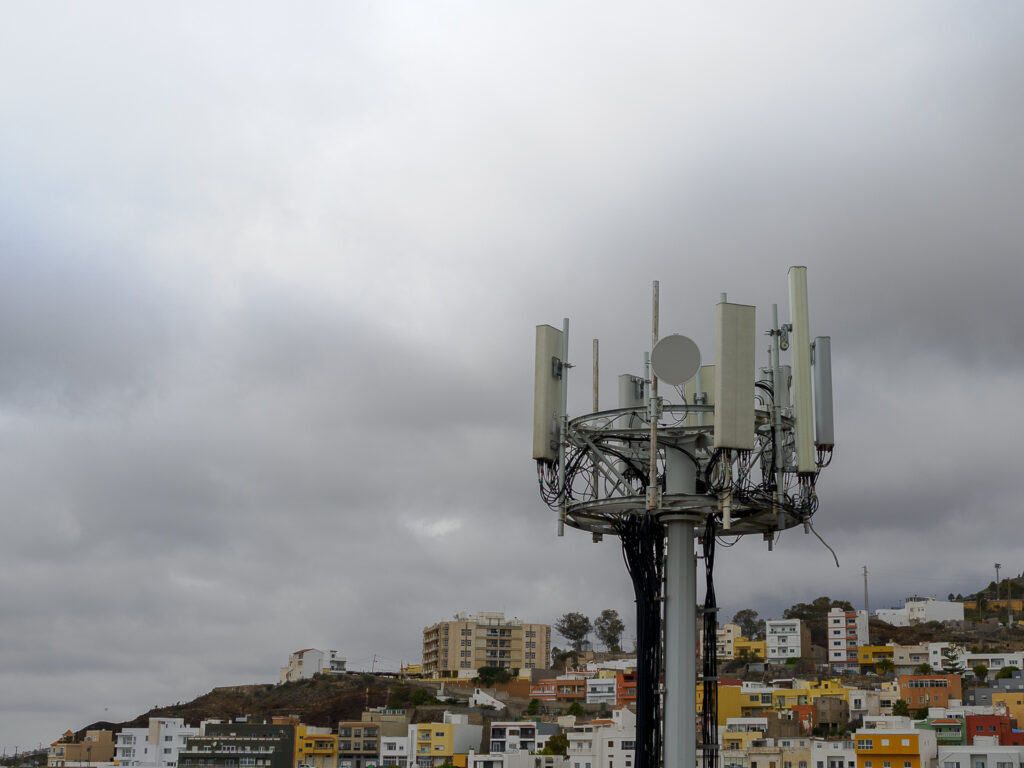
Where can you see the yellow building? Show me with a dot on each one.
(749, 649)
(438, 743)
(1013, 701)
(317, 747)
(870, 655)
(885, 748)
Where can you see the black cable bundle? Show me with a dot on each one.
(709, 713)
(643, 547)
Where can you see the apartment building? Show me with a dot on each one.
(603, 743)
(94, 748)
(601, 690)
(519, 736)
(981, 756)
(786, 639)
(725, 637)
(929, 690)
(156, 746)
(316, 747)
(240, 745)
(358, 743)
(833, 754)
(310, 661)
(846, 631)
(459, 647)
(516, 760)
(569, 688)
(434, 744)
(903, 747)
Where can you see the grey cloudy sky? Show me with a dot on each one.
(269, 275)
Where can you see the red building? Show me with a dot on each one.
(999, 726)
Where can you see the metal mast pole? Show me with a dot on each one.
(679, 730)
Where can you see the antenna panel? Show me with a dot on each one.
(547, 393)
(803, 410)
(824, 436)
(734, 376)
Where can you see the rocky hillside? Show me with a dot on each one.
(320, 701)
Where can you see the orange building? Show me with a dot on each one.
(625, 688)
(929, 690)
(885, 748)
(556, 689)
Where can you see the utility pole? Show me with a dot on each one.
(867, 612)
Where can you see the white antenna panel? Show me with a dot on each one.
(803, 408)
(734, 376)
(547, 393)
(824, 435)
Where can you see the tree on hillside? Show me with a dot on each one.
(923, 669)
(558, 744)
(533, 708)
(952, 660)
(980, 671)
(900, 708)
(884, 666)
(1006, 672)
(609, 628)
(575, 709)
(815, 610)
(488, 676)
(748, 622)
(574, 627)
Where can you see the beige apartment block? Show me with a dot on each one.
(459, 647)
(97, 747)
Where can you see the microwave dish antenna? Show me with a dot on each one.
(675, 359)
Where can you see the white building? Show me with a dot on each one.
(960, 656)
(607, 743)
(310, 661)
(394, 750)
(917, 610)
(785, 639)
(981, 755)
(846, 631)
(517, 760)
(907, 658)
(154, 747)
(520, 736)
(833, 754)
(482, 698)
(601, 690)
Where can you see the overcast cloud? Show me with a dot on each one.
(269, 276)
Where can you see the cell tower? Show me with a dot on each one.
(738, 453)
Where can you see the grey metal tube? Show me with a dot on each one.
(680, 717)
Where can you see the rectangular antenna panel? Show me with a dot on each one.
(547, 393)
(706, 377)
(734, 376)
(824, 436)
(803, 410)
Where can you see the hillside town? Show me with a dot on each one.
(492, 692)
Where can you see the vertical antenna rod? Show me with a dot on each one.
(652, 409)
(563, 425)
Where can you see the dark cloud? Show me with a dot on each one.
(268, 289)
